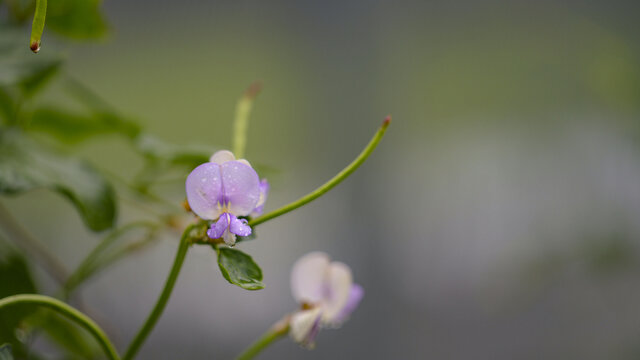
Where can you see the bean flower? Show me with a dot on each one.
(223, 190)
(326, 293)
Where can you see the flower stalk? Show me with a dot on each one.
(161, 303)
(241, 121)
(373, 143)
(277, 331)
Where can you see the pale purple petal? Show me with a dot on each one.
(308, 278)
(241, 187)
(222, 156)
(239, 226)
(264, 191)
(338, 284)
(219, 227)
(355, 296)
(304, 326)
(204, 190)
(229, 238)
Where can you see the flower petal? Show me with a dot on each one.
(241, 187)
(355, 296)
(239, 226)
(222, 156)
(308, 277)
(204, 190)
(304, 326)
(229, 238)
(218, 228)
(264, 191)
(338, 284)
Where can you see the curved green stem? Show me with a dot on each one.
(331, 183)
(277, 331)
(68, 311)
(87, 268)
(241, 121)
(145, 330)
(38, 25)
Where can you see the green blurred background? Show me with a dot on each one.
(497, 220)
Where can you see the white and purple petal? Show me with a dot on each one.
(204, 191)
(308, 278)
(264, 192)
(222, 156)
(337, 287)
(304, 326)
(355, 296)
(241, 187)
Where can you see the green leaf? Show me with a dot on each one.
(64, 333)
(239, 269)
(158, 150)
(77, 19)
(15, 278)
(73, 127)
(27, 165)
(5, 352)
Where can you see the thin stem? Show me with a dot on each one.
(68, 311)
(145, 330)
(241, 121)
(85, 269)
(278, 330)
(331, 183)
(28, 243)
(38, 25)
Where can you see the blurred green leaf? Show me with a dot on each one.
(161, 151)
(76, 19)
(20, 10)
(239, 269)
(27, 165)
(7, 105)
(5, 352)
(73, 127)
(15, 278)
(27, 75)
(20, 71)
(64, 333)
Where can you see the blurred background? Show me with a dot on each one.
(498, 219)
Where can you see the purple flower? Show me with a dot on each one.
(222, 190)
(264, 191)
(327, 294)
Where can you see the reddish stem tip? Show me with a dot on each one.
(253, 90)
(386, 121)
(35, 47)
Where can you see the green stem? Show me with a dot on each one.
(145, 330)
(86, 268)
(38, 25)
(277, 331)
(331, 183)
(241, 121)
(68, 311)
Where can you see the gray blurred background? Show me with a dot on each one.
(497, 220)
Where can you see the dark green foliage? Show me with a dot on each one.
(27, 165)
(239, 269)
